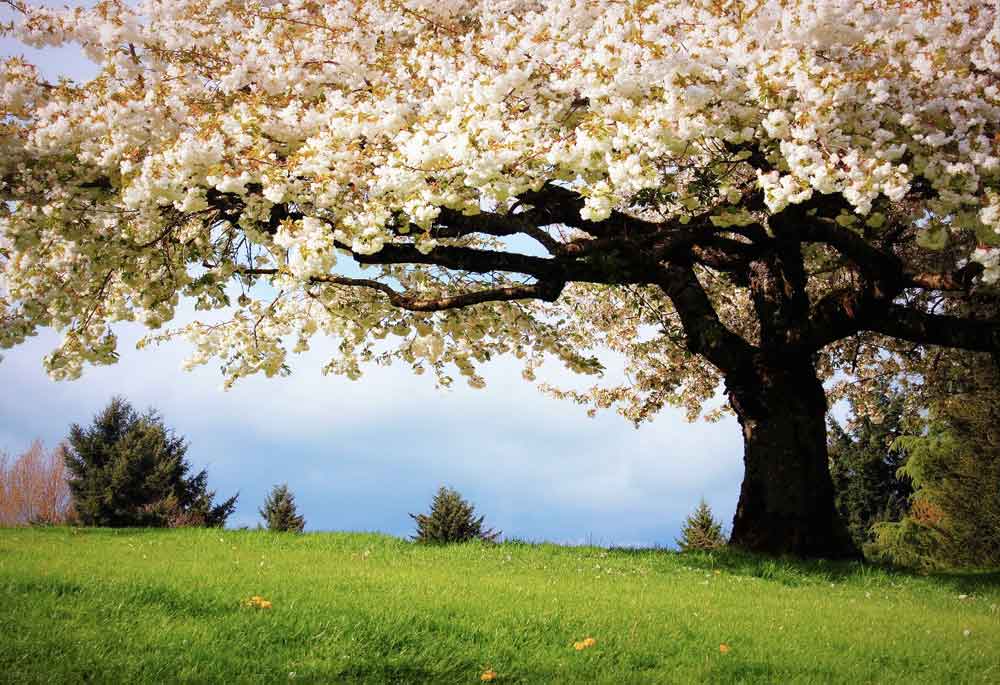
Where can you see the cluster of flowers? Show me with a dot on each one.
(368, 118)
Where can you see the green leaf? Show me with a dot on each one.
(987, 235)
(933, 237)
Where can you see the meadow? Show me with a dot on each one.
(160, 606)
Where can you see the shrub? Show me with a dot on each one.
(127, 469)
(33, 487)
(701, 531)
(279, 511)
(451, 519)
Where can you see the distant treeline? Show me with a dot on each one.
(915, 488)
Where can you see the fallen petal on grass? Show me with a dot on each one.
(256, 602)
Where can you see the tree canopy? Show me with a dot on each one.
(127, 469)
(759, 193)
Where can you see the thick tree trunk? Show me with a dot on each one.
(787, 500)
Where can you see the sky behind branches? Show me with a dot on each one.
(361, 455)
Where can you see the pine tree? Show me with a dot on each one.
(279, 511)
(451, 519)
(128, 469)
(701, 531)
(954, 465)
(864, 467)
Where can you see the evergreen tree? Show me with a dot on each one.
(279, 511)
(701, 531)
(954, 518)
(451, 519)
(864, 467)
(128, 469)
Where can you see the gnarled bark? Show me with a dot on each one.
(786, 502)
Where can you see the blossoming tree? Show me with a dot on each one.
(757, 193)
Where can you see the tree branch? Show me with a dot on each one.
(958, 280)
(547, 291)
(465, 259)
(454, 224)
(557, 205)
(874, 264)
(838, 314)
(705, 332)
(937, 329)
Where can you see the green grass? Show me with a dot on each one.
(135, 606)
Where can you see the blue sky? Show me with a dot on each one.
(361, 455)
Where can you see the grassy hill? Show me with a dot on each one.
(168, 606)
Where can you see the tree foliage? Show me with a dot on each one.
(451, 519)
(757, 193)
(128, 469)
(279, 511)
(700, 531)
(864, 465)
(663, 174)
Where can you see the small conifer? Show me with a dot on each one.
(279, 511)
(451, 519)
(701, 531)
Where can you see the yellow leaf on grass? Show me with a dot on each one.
(256, 602)
(488, 675)
(724, 648)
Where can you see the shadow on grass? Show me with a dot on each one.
(791, 571)
(380, 672)
(155, 596)
(40, 585)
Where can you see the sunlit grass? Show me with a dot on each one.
(189, 605)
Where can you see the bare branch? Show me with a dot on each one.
(16, 6)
